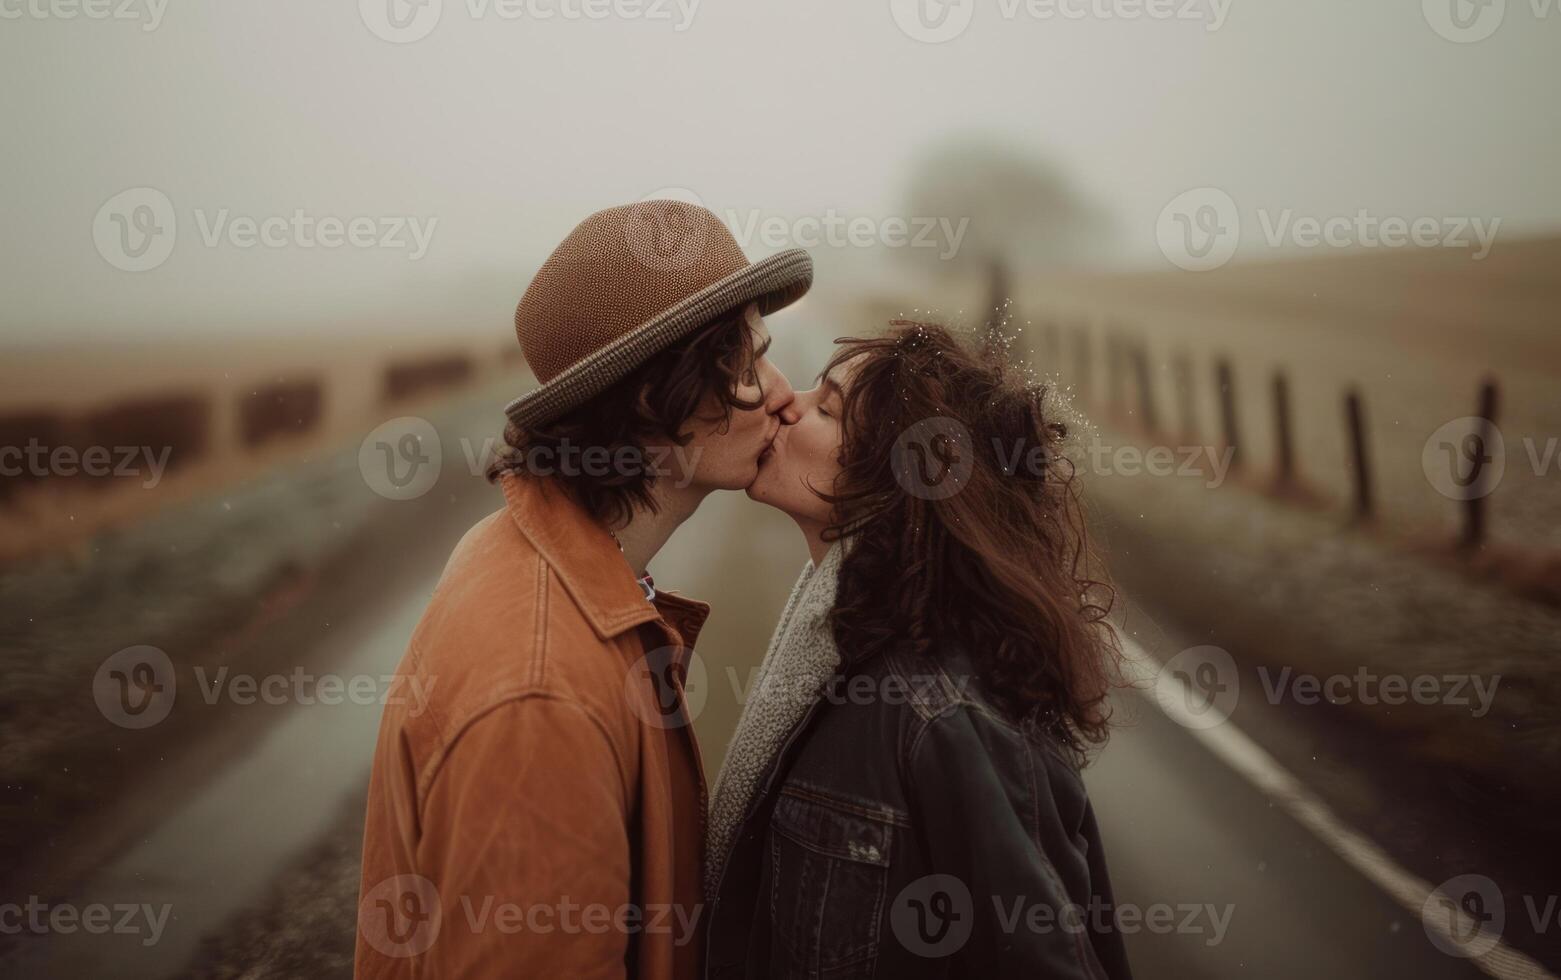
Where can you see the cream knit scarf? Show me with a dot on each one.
(801, 658)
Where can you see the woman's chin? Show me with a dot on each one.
(755, 488)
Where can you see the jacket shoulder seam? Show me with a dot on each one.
(435, 765)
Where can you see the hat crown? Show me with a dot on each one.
(617, 270)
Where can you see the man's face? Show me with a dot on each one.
(725, 455)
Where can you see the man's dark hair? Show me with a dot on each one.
(650, 404)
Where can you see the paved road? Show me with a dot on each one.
(1248, 890)
(1183, 829)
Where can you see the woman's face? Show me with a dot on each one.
(805, 455)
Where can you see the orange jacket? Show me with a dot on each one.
(538, 809)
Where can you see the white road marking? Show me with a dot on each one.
(1246, 757)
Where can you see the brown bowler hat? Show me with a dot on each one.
(626, 283)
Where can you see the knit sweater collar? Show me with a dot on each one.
(800, 660)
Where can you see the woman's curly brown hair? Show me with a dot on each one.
(650, 405)
(966, 530)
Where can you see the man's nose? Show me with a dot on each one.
(779, 398)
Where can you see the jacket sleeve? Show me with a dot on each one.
(524, 835)
(980, 803)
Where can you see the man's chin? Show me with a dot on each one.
(758, 471)
(755, 487)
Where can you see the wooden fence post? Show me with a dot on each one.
(1355, 416)
(1227, 392)
(1151, 421)
(1185, 397)
(1082, 379)
(1114, 373)
(1474, 513)
(1285, 476)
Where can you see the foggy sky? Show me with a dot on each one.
(504, 132)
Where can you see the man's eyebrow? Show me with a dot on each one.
(829, 385)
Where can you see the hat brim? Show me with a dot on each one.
(774, 283)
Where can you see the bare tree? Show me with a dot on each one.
(1022, 216)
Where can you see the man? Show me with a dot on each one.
(543, 814)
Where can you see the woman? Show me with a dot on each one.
(902, 796)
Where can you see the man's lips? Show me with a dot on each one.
(769, 445)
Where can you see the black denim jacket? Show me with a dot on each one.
(908, 830)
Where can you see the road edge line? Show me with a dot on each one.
(1253, 763)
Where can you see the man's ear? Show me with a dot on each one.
(642, 399)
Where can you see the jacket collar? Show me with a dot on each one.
(588, 563)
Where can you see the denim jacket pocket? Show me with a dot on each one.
(828, 879)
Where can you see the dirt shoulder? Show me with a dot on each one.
(307, 924)
(240, 582)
